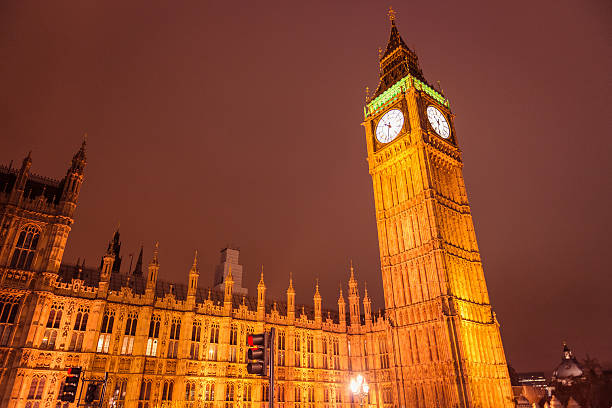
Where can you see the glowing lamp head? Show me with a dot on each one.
(354, 386)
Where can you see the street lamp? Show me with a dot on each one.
(360, 388)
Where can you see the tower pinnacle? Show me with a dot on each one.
(391, 14)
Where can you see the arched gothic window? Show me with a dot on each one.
(25, 248)
(9, 306)
(153, 336)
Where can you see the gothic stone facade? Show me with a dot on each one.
(170, 345)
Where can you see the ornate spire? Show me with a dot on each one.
(397, 61)
(79, 160)
(391, 14)
(365, 288)
(317, 294)
(194, 267)
(290, 289)
(229, 274)
(352, 277)
(341, 298)
(155, 260)
(261, 278)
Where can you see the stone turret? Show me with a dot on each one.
(153, 273)
(317, 304)
(74, 180)
(105, 273)
(261, 298)
(194, 273)
(342, 309)
(367, 306)
(228, 292)
(353, 298)
(290, 300)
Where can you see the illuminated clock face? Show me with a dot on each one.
(389, 126)
(438, 122)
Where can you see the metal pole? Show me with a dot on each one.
(272, 335)
(103, 390)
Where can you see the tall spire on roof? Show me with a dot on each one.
(397, 61)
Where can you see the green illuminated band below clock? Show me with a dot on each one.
(389, 126)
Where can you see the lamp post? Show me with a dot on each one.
(360, 388)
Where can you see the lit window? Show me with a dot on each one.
(25, 248)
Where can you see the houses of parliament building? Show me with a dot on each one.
(165, 344)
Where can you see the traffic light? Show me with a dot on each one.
(91, 393)
(258, 354)
(71, 384)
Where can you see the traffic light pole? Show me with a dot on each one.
(103, 390)
(272, 336)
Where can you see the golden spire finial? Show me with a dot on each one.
(391, 14)
(261, 279)
(317, 288)
(290, 280)
(155, 259)
(229, 273)
(367, 94)
(195, 260)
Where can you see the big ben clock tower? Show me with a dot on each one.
(447, 346)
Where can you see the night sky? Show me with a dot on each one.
(212, 123)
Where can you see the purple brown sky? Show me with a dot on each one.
(212, 123)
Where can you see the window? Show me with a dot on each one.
(80, 324)
(229, 395)
(106, 331)
(311, 397)
(130, 333)
(196, 331)
(233, 342)
(145, 394)
(37, 386)
(153, 336)
(175, 333)
(25, 249)
(209, 393)
(265, 392)
(309, 351)
(190, 391)
(324, 351)
(48, 341)
(336, 354)
(214, 340)
(9, 306)
(119, 393)
(365, 355)
(247, 394)
(280, 342)
(384, 356)
(280, 392)
(298, 352)
(387, 395)
(167, 390)
(55, 316)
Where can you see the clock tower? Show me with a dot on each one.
(447, 345)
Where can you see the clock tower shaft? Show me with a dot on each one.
(448, 348)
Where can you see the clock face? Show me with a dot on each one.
(438, 122)
(389, 126)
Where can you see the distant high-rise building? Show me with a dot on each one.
(229, 261)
